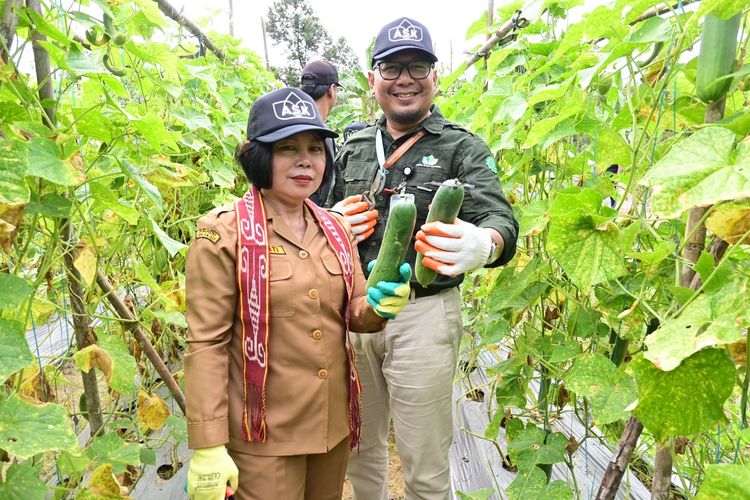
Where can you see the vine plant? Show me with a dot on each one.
(603, 149)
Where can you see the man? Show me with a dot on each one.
(407, 369)
(320, 80)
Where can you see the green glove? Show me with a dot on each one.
(210, 471)
(389, 298)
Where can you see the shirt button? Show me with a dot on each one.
(317, 334)
(313, 294)
(322, 373)
(380, 197)
(303, 254)
(372, 243)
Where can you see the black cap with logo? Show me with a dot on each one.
(403, 34)
(320, 73)
(282, 113)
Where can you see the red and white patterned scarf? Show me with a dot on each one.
(252, 274)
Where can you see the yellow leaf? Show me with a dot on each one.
(103, 483)
(10, 217)
(85, 262)
(94, 357)
(730, 221)
(152, 411)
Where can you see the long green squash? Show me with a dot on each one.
(444, 208)
(716, 57)
(398, 232)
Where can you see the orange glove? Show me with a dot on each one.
(358, 214)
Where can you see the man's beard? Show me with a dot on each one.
(408, 117)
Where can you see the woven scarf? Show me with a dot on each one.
(252, 273)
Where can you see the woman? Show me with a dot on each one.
(273, 285)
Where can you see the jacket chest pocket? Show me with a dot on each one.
(358, 177)
(336, 281)
(282, 288)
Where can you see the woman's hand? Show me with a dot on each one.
(389, 298)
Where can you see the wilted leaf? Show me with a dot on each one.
(94, 356)
(686, 400)
(10, 218)
(152, 411)
(730, 221)
(27, 429)
(103, 483)
(86, 262)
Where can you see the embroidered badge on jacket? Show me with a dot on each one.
(210, 234)
(429, 161)
(276, 250)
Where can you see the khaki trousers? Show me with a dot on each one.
(407, 375)
(298, 477)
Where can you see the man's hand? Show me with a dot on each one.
(357, 214)
(389, 298)
(210, 471)
(453, 249)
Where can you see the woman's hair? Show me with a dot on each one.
(256, 160)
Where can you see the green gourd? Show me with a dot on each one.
(716, 57)
(444, 208)
(398, 232)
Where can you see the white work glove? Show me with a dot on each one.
(210, 471)
(358, 215)
(453, 249)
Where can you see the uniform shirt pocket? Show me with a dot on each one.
(336, 280)
(282, 288)
(358, 177)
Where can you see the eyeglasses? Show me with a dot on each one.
(418, 70)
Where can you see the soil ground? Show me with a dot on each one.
(395, 475)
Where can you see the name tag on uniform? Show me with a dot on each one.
(276, 250)
(210, 234)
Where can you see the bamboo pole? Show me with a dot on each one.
(8, 23)
(620, 460)
(171, 12)
(140, 335)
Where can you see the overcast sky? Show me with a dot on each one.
(356, 21)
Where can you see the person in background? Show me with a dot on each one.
(273, 285)
(353, 128)
(407, 368)
(320, 80)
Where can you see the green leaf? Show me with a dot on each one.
(583, 238)
(686, 400)
(152, 128)
(529, 447)
(22, 483)
(107, 199)
(112, 449)
(609, 406)
(149, 189)
(92, 123)
(81, 62)
(51, 205)
(591, 374)
(701, 170)
(532, 485)
(13, 291)
(585, 323)
(14, 350)
(725, 482)
(541, 129)
(73, 462)
(46, 161)
(123, 379)
(653, 29)
(27, 429)
(172, 246)
(177, 428)
(533, 218)
(13, 162)
(481, 494)
(710, 320)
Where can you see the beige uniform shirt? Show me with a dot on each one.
(307, 389)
